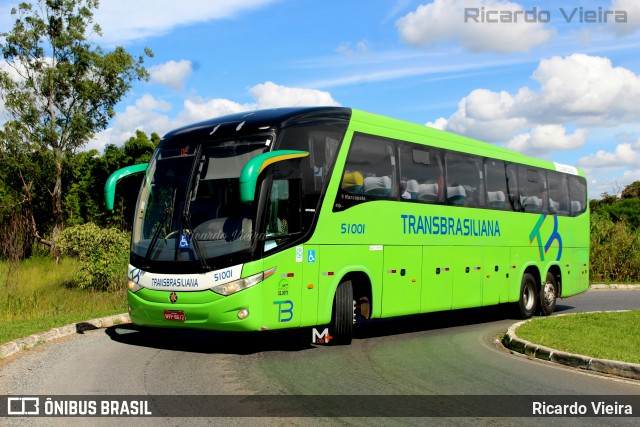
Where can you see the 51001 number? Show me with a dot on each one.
(352, 229)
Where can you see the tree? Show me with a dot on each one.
(632, 191)
(62, 88)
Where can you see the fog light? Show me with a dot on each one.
(129, 308)
(243, 314)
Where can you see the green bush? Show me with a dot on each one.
(102, 254)
(615, 250)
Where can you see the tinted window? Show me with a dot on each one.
(558, 193)
(322, 141)
(496, 183)
(369, 172)
(422, 174)
(577, 194)
(464, 180)
(532, 188)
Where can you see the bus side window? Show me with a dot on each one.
(464, 180)
(577, 195)
(423, 174)
(533, 189)
(283, 212)
(558, 193)
(369, 172)
(496, 183)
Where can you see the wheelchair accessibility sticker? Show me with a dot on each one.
(311, 255)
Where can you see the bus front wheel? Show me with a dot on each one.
(548, 295)
(341, 326)
(527, 303)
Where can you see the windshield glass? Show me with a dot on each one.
(189, 206)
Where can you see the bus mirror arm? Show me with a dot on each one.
(251, 171)
(114, 178)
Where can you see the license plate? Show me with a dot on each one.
(175, 315)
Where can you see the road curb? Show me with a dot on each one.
(31, 341)
(605, 366)
(615, 286)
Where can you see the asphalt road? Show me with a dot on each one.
(454, 353)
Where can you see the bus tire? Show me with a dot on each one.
(548, 295)
(341, 326)
(526, 305)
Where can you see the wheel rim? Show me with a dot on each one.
(528, 297)
(549, 293)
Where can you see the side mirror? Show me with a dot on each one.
(112, 181)
(251, 171)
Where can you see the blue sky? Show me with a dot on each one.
(564, 91)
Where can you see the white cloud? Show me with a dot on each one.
(444, 20)
(612, 170)
(588, 89)
(271, 95)
(440, 123)
(150, 114)
(172, 73)
(545, 138)
(632, 8)
(487, 115)
(579, 89)
(200, 109)
(624, 155)
(148, 18)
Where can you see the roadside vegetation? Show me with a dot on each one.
(600, 335)
(615, 237)
(38, 294)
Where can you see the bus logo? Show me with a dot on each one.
(173, 297)
(320, 338)
(536, 234)
(285, 310)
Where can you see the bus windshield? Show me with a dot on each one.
(189, 207)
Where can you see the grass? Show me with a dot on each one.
(600, 335)
(35, 296)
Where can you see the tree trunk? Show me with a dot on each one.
(57, 203)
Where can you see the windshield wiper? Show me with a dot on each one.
(168, 214)
(185, 220)
(156, 234)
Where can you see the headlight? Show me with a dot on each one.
(241, 284)
(133, 286)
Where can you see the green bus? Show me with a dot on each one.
(325, 216)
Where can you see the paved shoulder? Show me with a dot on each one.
(31, 341)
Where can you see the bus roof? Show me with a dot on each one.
(271, 120)
(250, 122)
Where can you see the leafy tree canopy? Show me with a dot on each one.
(61, 87)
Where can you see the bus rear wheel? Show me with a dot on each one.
(526, 305)
(548, 295)
(341, 326)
